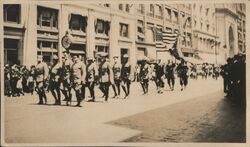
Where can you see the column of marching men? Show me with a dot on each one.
(62, 78)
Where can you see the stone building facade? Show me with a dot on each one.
(118, 29)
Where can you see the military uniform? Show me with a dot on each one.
(169, 73)
(182, 70)
(66, 87)
(106, 77)
(117, 73)
(125, 78)
(78, 75)
(41, 77)
(144, 77)
(159, 72)
(55, 81)
(91, 77)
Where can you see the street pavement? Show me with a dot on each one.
(27, 122)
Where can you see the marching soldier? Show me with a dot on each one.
(182, 71)
(41, 77)
(66, 67)
(125, 76)
(78, 76)
(91, 77)
(83, 85)
(105, 75)
(169, 73)
(144, 75)
(159, 72)
(55, 80)
(117, 73)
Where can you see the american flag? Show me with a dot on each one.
(168, 40)
(165, 39)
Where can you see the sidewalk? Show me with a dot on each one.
(26, 122)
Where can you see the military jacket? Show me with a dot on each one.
(105, 72)
(78, 72)
(144, 72)
(56, 71)
(117, 71)
(91, 72)
(66, 67)
(41, 72)
(125, 71)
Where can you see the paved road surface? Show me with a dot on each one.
(27, 122)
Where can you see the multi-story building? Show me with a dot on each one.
(241, 26)
(118, 29)
(37, 29)
(226, 18)
(205, 40)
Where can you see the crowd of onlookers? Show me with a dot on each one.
(234, 75)
(18, 80)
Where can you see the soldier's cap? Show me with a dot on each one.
(115, 57)
(55, 57)
(102, 54)
(6, 65)
(74, 56)
(39, 57)
(125, 56)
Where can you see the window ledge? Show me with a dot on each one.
(78, 32)
(14, 25)
(98, 35)
(48, 29)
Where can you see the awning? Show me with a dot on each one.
(47, 50)
(76, 52)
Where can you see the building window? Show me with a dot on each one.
(124, 51)
(127, 9)
(123, 30)
(158, 12)
(102, 26)
(201, 26)
(120, 7)
(188, 22)
(200, 9)
(150, 34)
(99, 48)
(47, 49)
(175, 18)
(141, 8)
(207, 11)
(168, 14)
(151, 10)
(208, 27)
(12, 13)
(195, 23)
(47, 17)
(106, 5)
(140, 26)
(78, 22)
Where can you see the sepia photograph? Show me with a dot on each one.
(123, 73)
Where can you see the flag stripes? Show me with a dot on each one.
(165, 39)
